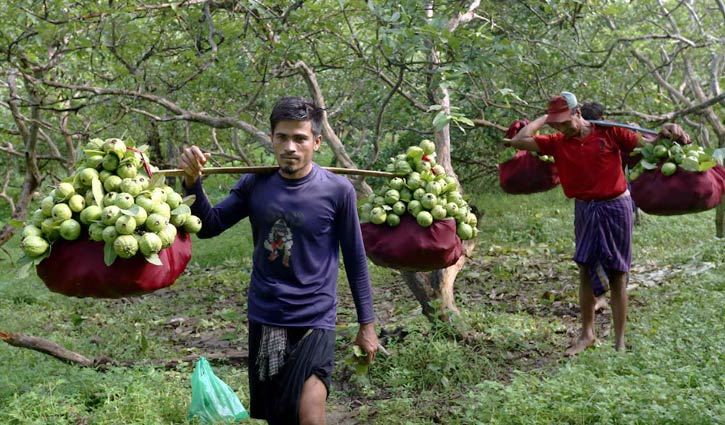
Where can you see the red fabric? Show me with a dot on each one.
(411, 247)
(515, 127)
(77, 269)
(590, 168)
(526, 173)
(681, 193)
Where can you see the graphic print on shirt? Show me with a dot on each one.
(279, 242)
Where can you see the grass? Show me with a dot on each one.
(518, 299)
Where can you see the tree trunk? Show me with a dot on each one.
(719, 215)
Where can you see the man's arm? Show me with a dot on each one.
(524, 139)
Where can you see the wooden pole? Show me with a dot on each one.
(270, 169)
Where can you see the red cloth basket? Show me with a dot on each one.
(525, 173)
(684, 192)
(77, 269)
(411, 247)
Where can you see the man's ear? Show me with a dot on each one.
(318, 142)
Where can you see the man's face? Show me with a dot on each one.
(570, 127)
(294, 146)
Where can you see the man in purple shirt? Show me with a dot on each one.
(302, 216)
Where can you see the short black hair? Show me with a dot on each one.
(592, 111)
(295, 108)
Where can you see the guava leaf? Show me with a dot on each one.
(706, 165)
(97, 189)
(132, 211)
(109, 254)
(90, 152)
(647, 165)
(719, 155)
(154, 259)
(157, 180)
(24, 265)
(189, 200)
(690, 164)
(181, 210)
(15, 223)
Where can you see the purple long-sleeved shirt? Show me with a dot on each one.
(298, 228)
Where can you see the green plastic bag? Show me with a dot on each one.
(212, 400)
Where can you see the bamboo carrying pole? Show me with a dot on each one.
(270, 169)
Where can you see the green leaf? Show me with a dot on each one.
(109, 254)
(189, 200)
(154, 259)
(440, 120)
(719, 155)
(97, 189)
(24, 265)
(647, 165)
(133, 211)
(16, 223)
(706, 165)
(690, 164)
(157, 180)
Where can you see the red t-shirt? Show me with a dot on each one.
(590, 168)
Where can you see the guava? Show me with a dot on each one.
(433, 187)
(126, 171)
(428, 201)
(140, 217)
(70, 229)
(156, 222)
(50, 229)
(402, 168)
(178, 220)
(162, 208)
(418, 193)
(159, 195)
(167, 235)
(125, 225)
(396, 183)
(61, 212)
(104, 174)
(95, 144)
(472, 219)
(464, 231)
(93, 161)
(90, 214)
(660, 151)
(422, 166)
(124, 200)
(46, 205)
(150, 243)
(413, 180)
(145, 202)
(414, 207)
(30, 230)
(438, 212)
(110, 162)
(77, 203)
(405, 194)
(112, 183)
(173, 199)
(451, 209)
(130, 186)
(34, 246)
(37, 217)
(392, 196)
(668, 168)
(110, 215)
(116, 146)
(192, 224)
(438, 170)
(64, 191)
(109, 198)
(142, 181)
(399, 208)
(428, 146)
(95, 232)
(424, 218)
(364, 212)
(392, 220)
(125, 246)
(109, 233)
(87, 175)
(415, 152)
(378, 215)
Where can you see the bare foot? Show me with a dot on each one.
(580, 345)
(620, 347)
(600, 303)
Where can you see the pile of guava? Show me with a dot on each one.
(422, 189)
(669, 156)
(111, 198)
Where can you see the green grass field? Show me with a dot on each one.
(518, 301)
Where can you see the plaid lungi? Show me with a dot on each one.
(603, 232)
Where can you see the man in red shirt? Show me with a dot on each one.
(588, 159)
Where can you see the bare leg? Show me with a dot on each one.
(312, 402)
(618, 283)
(587, 337)
(600, 303)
